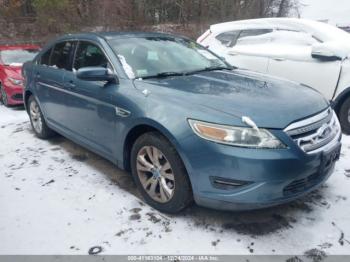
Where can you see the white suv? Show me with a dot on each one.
(309, 52)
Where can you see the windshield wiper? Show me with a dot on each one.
(164, 74)
(210, 68)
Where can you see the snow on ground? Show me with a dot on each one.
(58, 198)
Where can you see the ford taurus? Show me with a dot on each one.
(185, 123)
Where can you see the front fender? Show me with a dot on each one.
(174, 133)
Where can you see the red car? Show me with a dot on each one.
(12, 58)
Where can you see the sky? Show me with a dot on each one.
(337, 11)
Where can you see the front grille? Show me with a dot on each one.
(314, 133)
(18, 97)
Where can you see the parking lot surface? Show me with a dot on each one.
(58, 198)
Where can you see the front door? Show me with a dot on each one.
(290, 57)
(248, 50)
(92, 110)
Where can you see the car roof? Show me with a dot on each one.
(272, 23)
(321, 30)
(114, 35)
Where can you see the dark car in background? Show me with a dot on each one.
(12, 58)
(186, 124)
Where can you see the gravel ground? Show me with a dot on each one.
(58, 198)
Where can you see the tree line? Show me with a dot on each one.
(46, 18)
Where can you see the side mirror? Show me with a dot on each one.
(96, 74)
(327, 52)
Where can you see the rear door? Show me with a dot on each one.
(49, 74)
(92, 109)
(248, 50)
(290, 57)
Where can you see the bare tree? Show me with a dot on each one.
(51, 17)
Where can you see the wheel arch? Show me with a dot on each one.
(337, 103)
(142, 128)
(27, 94)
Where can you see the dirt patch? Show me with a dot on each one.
(152, 217)
(122, 232)
(215, 243)
(49, 182)
(57, 140)
(273, 224)
(135, 217)
(341, 239)
(316, 255)
(95, 250)
(135, 210)
(294, 259)
(80, 157)
(18, 130)
(325, 245)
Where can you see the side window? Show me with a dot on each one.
(295, 38)
(45, 58)
(254, 32)
(228, 38)
(61, 55)
(89, 54)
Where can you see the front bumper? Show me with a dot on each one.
(267, 177)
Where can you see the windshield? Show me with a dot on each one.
(329, 32)
(155, 56)
(17, 56)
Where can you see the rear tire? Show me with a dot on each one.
(155, 162)
(37, 120)
(4, 99)
(344, 116)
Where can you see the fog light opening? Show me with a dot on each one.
(227, 184)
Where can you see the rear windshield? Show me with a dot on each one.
(17, 56)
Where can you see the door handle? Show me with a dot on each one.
(70, 85)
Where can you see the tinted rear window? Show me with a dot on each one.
(61, 55)
(228, 38)
(45, 58)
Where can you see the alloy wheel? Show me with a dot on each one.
(35, 116)
(155, 174)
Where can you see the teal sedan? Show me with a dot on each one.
(187, 125)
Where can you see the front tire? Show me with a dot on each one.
(37, 120)
(4, 99)
(160, 174)
(344, 116)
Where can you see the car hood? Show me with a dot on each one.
(270, 102)
(13, 71)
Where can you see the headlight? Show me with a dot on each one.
(236, 136)
(16, 82)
